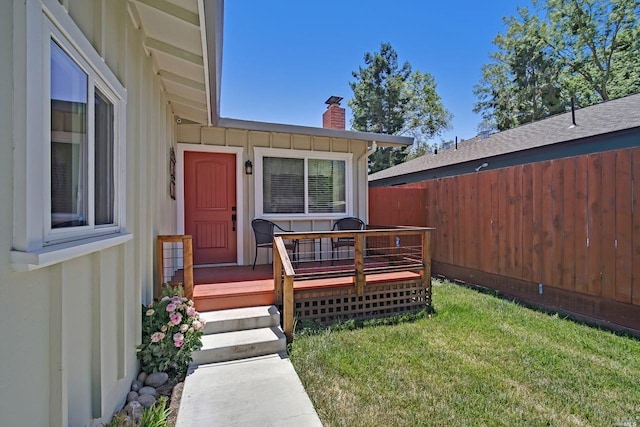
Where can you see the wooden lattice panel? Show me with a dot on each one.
(329, 305)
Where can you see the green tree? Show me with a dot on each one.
(587, 49)
(390, 99)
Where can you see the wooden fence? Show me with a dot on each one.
(564, 233)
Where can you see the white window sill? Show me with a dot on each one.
(54, 254)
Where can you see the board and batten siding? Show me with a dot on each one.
(562, 233)
(250, 139)
(70, 330)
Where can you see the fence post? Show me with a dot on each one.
(277, 275)
(187, 257)
(288, 308)
(426, 263)
(359, 261)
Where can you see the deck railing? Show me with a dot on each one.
(378, 249)
(175, 253)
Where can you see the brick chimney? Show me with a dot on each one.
(333, 118)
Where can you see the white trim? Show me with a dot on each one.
(36, 23)
(54, 254)
(260, 152)
(382, 139)
(240, 210)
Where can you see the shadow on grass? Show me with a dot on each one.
(306, 328)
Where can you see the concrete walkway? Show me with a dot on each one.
(260, 391)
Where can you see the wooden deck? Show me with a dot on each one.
(224, 287)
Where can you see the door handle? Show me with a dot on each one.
(234, 218)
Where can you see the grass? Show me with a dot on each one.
(479, 360)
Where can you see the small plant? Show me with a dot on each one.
(171, 330)
(156, 415)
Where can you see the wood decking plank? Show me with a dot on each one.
(624, 221)
(580, 229)
(527, 222)
(569, 224)
(594, 200)
(635, 279)
(557, 189)
(608, 224)
(547, 224)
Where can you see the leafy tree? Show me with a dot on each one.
(390, 99)
(587, 49)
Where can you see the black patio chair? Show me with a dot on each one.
(263, 231)
(348, 223)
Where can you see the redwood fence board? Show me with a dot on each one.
(571, 224)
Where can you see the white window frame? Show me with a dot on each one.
(35, 243)
(261, 153)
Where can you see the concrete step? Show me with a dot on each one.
(238, 319)
(235, 345)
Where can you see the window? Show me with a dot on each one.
(290, 182)
(69, 142)
(83, 156)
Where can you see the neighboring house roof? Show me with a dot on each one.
(607, 117)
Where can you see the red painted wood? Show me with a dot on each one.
(624, 222)
(547, 225)
(608, 224)
(569, 223)
(635, 279)
(581, 227)
(594, 200)
(210, 195)
(557, 190)
(537, 240)
(527, 222)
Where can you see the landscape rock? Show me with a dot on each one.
(146, 400)
(132, 396)
(142, 376)
(156, 379)
(133, 408)
(136, 385)
(147, 390)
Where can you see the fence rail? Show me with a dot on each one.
(571, 223)
(375, 250)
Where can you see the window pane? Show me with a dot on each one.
(283, 185)
(326, 186)
(104, 185)
(69, 158)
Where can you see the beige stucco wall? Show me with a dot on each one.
(69, 331)
(248, 140)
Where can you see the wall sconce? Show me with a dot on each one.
(248, 167)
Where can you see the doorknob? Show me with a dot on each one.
(234, 218)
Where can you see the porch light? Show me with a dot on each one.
(248, 167)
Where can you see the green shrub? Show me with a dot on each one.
(171, 330)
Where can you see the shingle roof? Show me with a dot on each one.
(607, 117)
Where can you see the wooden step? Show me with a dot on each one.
(223, 296)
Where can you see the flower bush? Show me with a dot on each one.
(171, 330)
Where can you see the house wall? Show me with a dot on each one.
(563, 233)
(70, 329)
(248, 140)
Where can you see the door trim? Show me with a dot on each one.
(238, 151)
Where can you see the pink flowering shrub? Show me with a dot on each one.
(171, 330)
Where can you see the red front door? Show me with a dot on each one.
(210, 206)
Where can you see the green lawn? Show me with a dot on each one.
(479, 360)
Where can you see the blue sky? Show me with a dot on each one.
(283, 59)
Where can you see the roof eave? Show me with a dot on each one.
(381, 139)
(212, 28)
